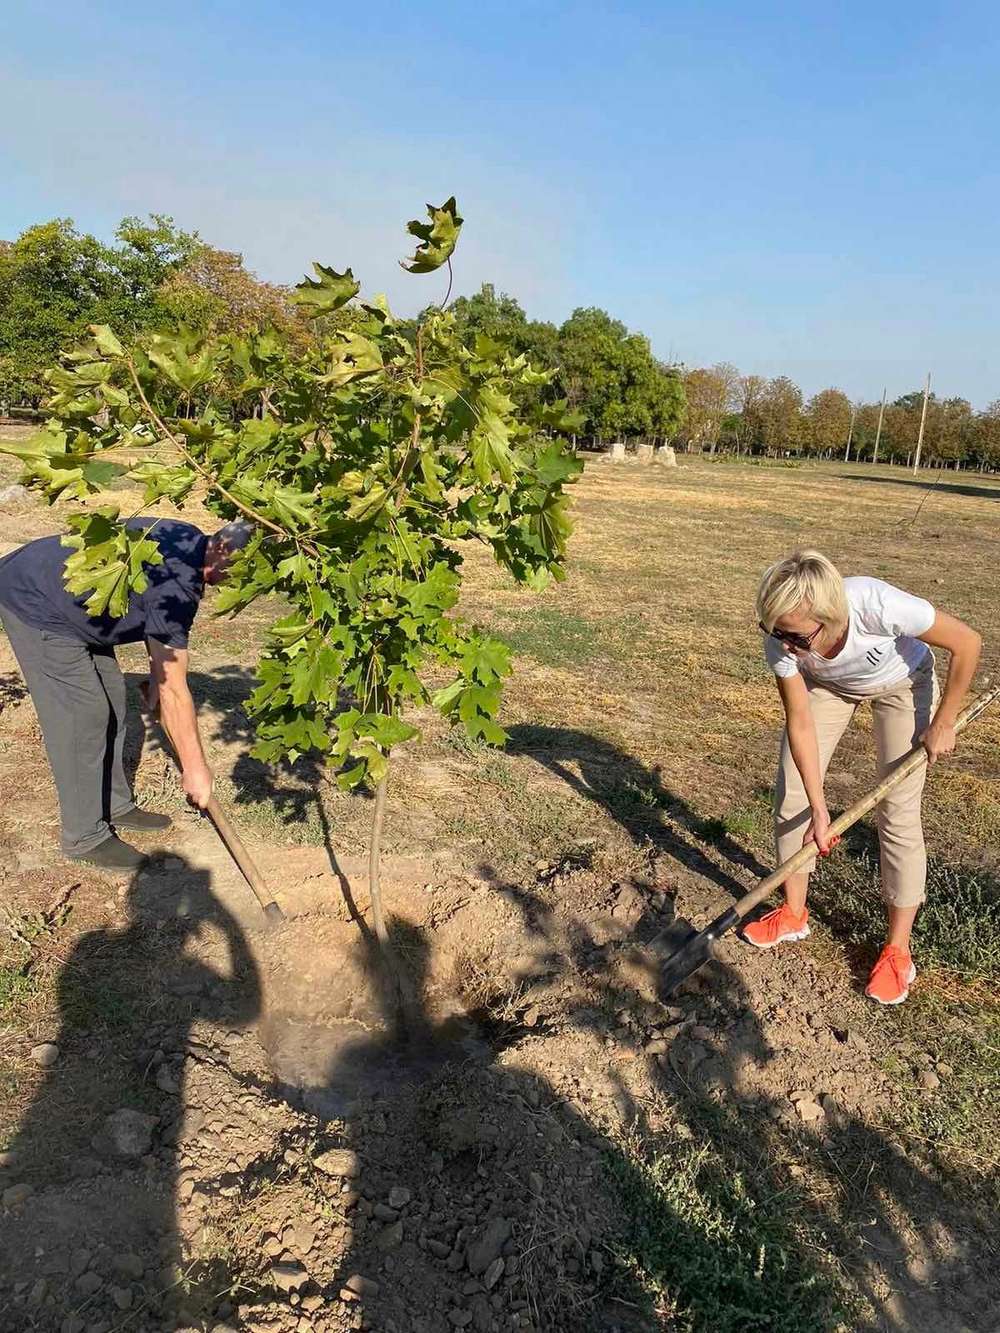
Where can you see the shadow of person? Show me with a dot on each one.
(97, 1145)
(636, 798)
(738, 1208)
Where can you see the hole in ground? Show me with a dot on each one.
(332, 1029)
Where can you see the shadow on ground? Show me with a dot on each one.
(97, 1146)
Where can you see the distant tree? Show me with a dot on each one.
(212, 292)
(709, 395)
(56, 281)
(827, 421)
(781, 414)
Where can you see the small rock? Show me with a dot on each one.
(384, 1213)
(130, 1132)
(7, 1160)
(122, 1297)
(702, 1033)
(173, 863)
(89, 1284)
(13, 494)
(128, 1265)
(808, 1110)
(597, 1261)
(339, 1162)
(399, 1196)
(391, 1236)
(15, 1195)
(72, 1324)
(493, 1274)
(657, 1047)
(483, 1251)
(166, 1080)
(928, 1080)
(45, 1054)
(535, 1183)
(438, 1248)
(288, 1276)
(460, 1318)
(312, 1303)
(361, 1286)
(944, 1071)
(455, 1260)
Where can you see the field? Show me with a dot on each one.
(765, 1152)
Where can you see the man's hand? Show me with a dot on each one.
(819, 831)
(938, 739)
(197, 782)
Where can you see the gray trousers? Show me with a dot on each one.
(79, 696)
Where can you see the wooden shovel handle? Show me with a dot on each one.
(237, 850)
(914, 760)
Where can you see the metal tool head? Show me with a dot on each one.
(273, 915)
(692, 949)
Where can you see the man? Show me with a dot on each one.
(68, 661)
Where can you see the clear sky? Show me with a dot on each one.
(800, 188)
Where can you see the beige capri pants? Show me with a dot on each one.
(900, 713)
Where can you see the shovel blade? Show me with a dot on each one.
(692, 950)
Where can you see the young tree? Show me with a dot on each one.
(380, 451)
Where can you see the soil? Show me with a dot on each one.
(298, 1161)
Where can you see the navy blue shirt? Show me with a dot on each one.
(31, 585)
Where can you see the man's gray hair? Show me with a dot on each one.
(235, 535)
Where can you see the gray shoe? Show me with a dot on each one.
(144, 821)
(113, 854)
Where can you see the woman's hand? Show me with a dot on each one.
(819, 831)
(938, 739)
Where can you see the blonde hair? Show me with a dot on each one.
(803, 579)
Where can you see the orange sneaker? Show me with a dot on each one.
(891, 977)
(777, 927)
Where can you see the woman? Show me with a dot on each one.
(833, 644)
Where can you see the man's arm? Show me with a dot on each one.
(168, 674)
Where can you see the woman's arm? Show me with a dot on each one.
(965, 645)
(805, 753)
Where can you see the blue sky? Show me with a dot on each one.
(801, 189)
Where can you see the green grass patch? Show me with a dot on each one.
(552, 637)
(957, 930)
(17, 986)
(713, 1254)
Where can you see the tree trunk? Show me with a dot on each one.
(408, 1013)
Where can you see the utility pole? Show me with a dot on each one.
(850, 434)
(923, 422)
(878, 432)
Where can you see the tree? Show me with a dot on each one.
(380, 452)
(54, 282)
(212, 292)
(781, 414)
(749, 424)
(827, 420)
(708, 396)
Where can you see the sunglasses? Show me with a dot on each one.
(803, 641)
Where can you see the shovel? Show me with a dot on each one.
(692, 948)
(236, 848)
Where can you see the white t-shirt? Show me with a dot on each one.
(881, 648)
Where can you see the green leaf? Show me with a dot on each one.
(106, 340)
(99, 473)
(438, 238)
(331, 291)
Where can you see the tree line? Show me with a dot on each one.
(56, 281)
(750, 414)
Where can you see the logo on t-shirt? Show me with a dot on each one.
(874, 655)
